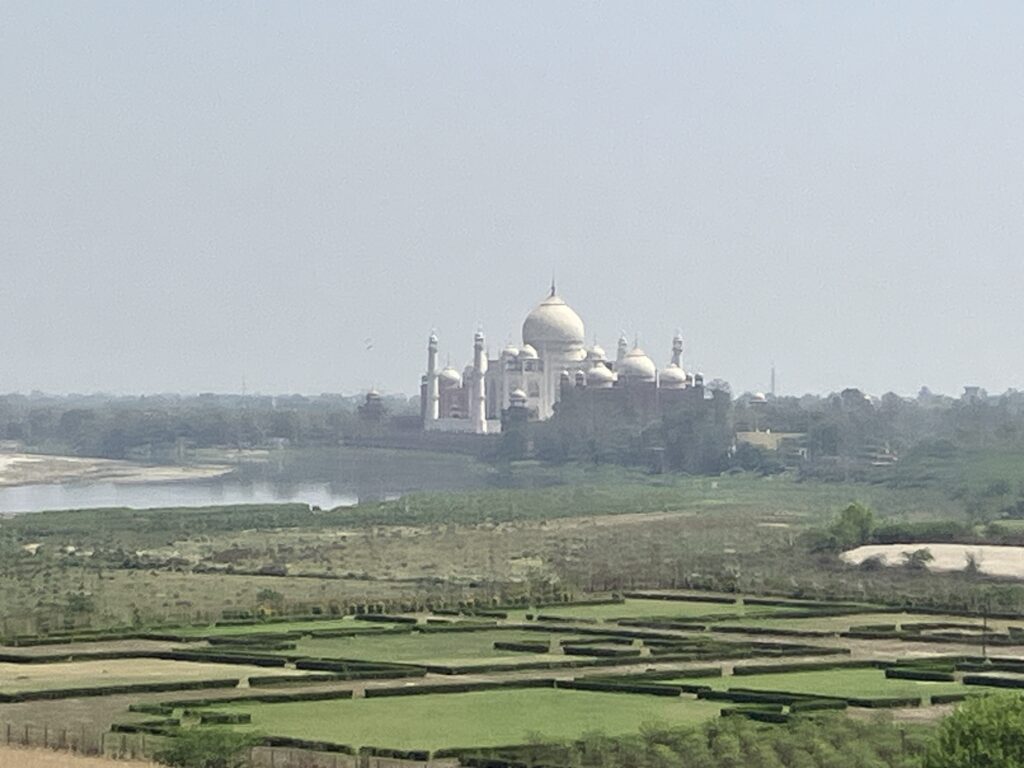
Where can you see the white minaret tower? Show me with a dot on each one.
(478, 394)
(620, 353)
(433, 387)
(677, 349)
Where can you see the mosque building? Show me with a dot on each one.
(552, 365)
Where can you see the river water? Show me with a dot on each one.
(323, 477)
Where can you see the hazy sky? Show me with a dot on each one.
(196, 192)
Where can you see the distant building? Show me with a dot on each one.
(552, 364)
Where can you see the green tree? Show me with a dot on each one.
(203, 747)
(853, 527)
(983, 733)
(918, 559)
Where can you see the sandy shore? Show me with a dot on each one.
(33, 469)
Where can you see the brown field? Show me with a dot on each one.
(87, 674)
(16, 757)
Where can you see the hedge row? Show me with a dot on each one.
(346, 666)
(314, 746)
(522, 647)
(611, 686)
(110, 690)
(224, 718)
(163, 727)
(780, 631)
(808, 666)
(680, 598)
(760, 715)
(598, 652)
(272, 680)
(388, 618)
(995, 682)
(931, 675)
(420, 690)
(813, 705)
(261, 698)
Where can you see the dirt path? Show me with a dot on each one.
(16, 757)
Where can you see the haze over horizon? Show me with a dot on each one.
(294, 195)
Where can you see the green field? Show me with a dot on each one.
(649, 609)
(857, 683)
(347, 623)
(430, 647)
(485, 718)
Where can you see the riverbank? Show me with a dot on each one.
(38, 469)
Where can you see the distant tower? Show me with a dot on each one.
(620, 353)
(433, 411)
(478, 395)
(677, 349)
(773, 380)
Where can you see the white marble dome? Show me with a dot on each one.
(527, 352)
(600, 376)
(636, 365)
(449, 377)
(553, 323)
(672, 377)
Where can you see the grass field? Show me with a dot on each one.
(97, 674)
(347, 623)
(437, 647)
(859, 683)
(646, 609)
(485, 718)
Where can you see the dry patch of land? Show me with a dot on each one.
(91, 674)
(991, 559)
(17, 757)
(33, 469)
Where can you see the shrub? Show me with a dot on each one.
(982, 733)
(208, 748)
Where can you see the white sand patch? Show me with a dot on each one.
(31, 469)
(992, 560)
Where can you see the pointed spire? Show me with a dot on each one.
(552, 283)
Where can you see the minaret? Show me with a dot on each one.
(478, 394)
(620, 353)
(677, 349)
(433, 411)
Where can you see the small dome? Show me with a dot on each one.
(672, 377)
(528, 352)
(373, 394)
(758, 397)
(510, 350)
(596, 353)
(449, 377)
(600, 376)
(553, 322)
(637, 365)
(517, 397)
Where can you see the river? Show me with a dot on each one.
(323, 477)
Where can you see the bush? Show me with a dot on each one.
(208, 748)
(982, 733)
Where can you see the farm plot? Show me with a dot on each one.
(855, 683)
(482, 718)
(428, 647)
(347, 623)
(649, 609)
(842, 623)
(20, 678)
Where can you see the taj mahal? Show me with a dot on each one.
(553, 364)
